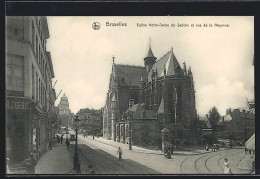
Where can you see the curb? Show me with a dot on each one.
(147, 152)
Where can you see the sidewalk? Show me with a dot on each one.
(55, 161)
(246, 163)
(144, 150)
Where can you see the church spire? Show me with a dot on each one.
(150, 52)
(113, 59)
(150, 59)
(184, 68)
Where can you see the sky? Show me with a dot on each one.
(221, 57)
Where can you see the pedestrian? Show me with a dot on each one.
(227, 166)
(53, 141)
(172, 148)
(30, 164)
(231, 145)
(249, 152)
(207, 147)
(217, 146)
(93, 137)
(246, 150)
(61, 139)
(169, 154)
(214, 147)
(58, 139)
(50, 144)
(120, 152)
(84, 134)
(67, 143)
(91, 171)
(165, 150)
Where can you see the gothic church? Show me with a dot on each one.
(142, 101)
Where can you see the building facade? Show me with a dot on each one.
(29, 93)
(65, 116)
(237, 125)
(64, 106)
(241, 125)
(91, 121)
(161, 91)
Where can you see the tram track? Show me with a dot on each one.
(197, 165)
(221, 166)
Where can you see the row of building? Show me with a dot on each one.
(31, 117)
(235, 125)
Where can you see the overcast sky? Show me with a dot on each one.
(221, 59)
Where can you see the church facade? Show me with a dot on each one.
(142, 101)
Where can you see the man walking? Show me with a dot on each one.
(213, 148)
(67, 143)
(50, 144)
(119, 153)
(61, 139)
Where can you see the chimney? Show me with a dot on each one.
(131, 102)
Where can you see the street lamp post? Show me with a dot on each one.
(66, 132)
(131, 135)
(130, 139)
(76, 156)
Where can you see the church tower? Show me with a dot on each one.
(149, 60)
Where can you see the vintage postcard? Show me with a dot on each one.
(110, 95)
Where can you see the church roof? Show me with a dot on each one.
(171, 64)
(128, 75)
(137, 110)
(150, 53)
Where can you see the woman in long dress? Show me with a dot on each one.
(227, 166)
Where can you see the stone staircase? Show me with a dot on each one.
(17, 169)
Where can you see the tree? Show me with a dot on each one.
(214, 117)
(176, 133)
